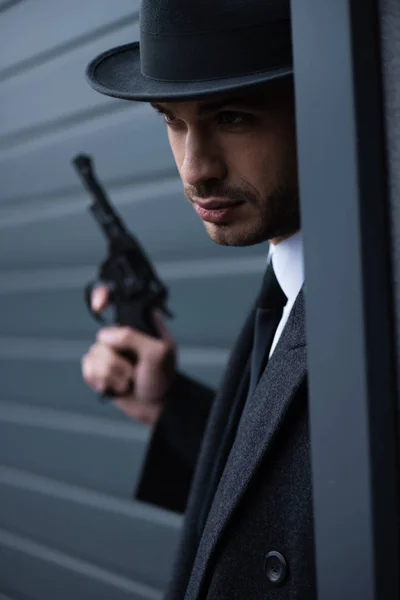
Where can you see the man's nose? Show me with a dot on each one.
(202, 161)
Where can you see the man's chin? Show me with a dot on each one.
(229, 235)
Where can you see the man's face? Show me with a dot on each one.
(236, 156)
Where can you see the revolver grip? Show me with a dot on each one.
(135, 313)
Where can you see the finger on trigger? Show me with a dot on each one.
(100, 298)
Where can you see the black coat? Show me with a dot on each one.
(256, 542)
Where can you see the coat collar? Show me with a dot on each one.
(265, 412)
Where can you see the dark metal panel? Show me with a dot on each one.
(105, 463)
(59, 92)
(3, 597)
(390, 42)
(348, 303)
(6, 4)
(50, 575)
(129, 145)
(72, 22)
(121, 537)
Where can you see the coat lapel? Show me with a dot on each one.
(233, 388)
(234, 382)
(265, 412)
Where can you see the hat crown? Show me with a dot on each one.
(190, 49)
(166, 17)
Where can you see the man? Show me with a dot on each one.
(220, 75)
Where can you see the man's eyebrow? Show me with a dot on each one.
(159, 107)
(239, 101)
(207, 107)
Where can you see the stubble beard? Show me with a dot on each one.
(277, 216)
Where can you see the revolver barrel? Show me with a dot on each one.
(101, 209)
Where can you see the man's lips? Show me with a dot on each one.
(216, 203)
(216, 210)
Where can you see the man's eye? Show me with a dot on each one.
(173, 123)
(166, 117)
(171, 120)
(235, 119)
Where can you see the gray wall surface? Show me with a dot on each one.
(69, 527)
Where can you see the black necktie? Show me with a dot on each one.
(270, 305)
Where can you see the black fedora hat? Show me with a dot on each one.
(194, 48)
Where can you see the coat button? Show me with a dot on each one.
(276, 567)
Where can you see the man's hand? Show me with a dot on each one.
(103, 367)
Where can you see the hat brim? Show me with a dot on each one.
(117, 73)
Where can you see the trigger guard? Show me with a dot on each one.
(88, 299)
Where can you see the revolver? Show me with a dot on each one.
(134, 288)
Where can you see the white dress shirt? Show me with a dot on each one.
(287, 261)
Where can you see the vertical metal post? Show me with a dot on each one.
(342, 163)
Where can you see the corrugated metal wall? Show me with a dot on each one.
(68, 525)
